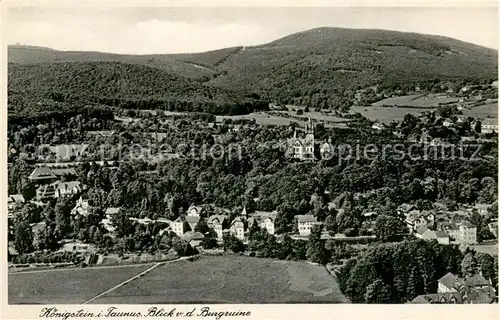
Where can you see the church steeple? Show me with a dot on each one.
(309, 126)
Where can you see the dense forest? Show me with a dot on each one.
(52, 86)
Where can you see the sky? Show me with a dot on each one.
(186, 30)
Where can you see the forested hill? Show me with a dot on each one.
(28, 55)
(325, 66)
(117, 84)
(322, 67)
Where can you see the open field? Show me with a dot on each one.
(491, 249)
(66, 286)
(230, 279)
(385, 114)
(415, 101)
(214, 279)
(483, 111)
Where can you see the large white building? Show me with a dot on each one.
(302, 148)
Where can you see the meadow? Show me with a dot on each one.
(66, 286)
(230, 279)
(210, 279)
(415, 100)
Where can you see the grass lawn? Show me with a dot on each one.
(70, 286)
(230, 279)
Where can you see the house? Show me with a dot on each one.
(264, 219)
(452, 283)
(493, 227)
(193, 238)
(194, 211)
(483, 208)
(65, 189)
(439, 298)
(305, 223)
(326, 150)
(179, 227)
(422, 232)
(216, 222)
(14, 201)
(449, 283)
(107, 222)
(46, 192)
(405, 208)
(112, 211)
(452, 289)
(42, 175)
(447, 122)
(465, 232)
(237, 228)
(302, 148)
(378, 126)
(81, 207)
(415, 219)
(45, 175)
(192, 221)
(489, 125)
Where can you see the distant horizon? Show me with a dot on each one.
(165, 53)
(161, 30)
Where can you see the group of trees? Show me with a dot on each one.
(398, 272)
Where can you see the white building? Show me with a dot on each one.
(179, 227)
(265, 220)
(305, 223)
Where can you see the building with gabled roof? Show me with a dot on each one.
(194, 238)
(179, 226)
(42, 175)
(305, 223)
(64, 189)
(81, 207)
(192, 221)
(237, 228)
(194, 211)
(302, 148)
(264, 219)
(217, 223)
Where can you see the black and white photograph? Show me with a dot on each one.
(250, 155)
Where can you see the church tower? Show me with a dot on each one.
(310, 130)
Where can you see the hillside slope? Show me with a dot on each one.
(116, 84)
(322, 67)
(325, 66)
(30, 55)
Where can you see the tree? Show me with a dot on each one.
(469, 265)
(316, 251)
(48, 238)
(62, 216)
(378, 292)
(388, 226)
(182, 247)
(202, 227)
(231, 243)
(23, 236)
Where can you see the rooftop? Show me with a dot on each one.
(306, 218)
